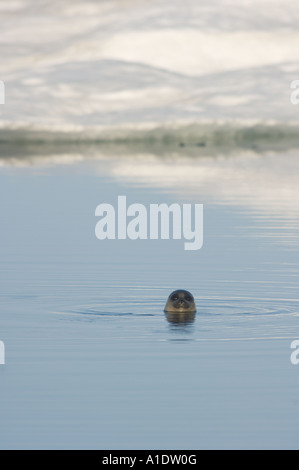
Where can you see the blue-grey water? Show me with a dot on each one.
(92, 362)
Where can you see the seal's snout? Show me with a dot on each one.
(180, 301)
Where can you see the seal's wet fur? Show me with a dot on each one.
(180, 301)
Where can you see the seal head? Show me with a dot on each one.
(180, 301)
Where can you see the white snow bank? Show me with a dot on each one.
(98, 65)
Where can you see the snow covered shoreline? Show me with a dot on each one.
(102, 70)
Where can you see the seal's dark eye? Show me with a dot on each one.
(174, 297)
(188, 298)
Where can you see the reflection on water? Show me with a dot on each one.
(81, 377)
(180, 319)
(263, 184)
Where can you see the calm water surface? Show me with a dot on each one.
(91, 359)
